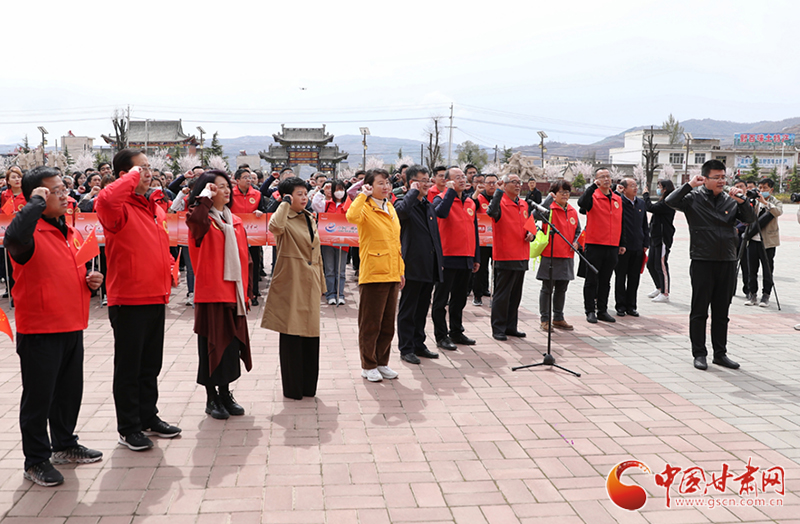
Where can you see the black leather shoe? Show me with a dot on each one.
(446, 343)
(605, 317)
(632, 312)
(700, 363)
(254, 302)
(591, 318)
(426, 353)
(462, 339)
(216, 409)
(499, 336)
(520, 334)
(725, 362)
(411, 358)
(620, 313)
(230, 404)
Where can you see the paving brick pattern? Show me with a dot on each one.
(459, 439)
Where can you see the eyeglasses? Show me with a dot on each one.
(564, 192)
(421, 180)
(60, 192)
(516, 182)
(715, 177)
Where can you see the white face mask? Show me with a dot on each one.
(339, 194)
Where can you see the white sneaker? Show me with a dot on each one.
(373, 375)
(661, 297)
(387, 372)
(341, 301)
(654, 293)
(797, 327)
(190, 300)
(332, 301)
(751, 300)
(105, 301)
(764, 301)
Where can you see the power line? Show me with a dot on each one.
(542, 118)
(531, 128)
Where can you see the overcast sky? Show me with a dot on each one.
(580, 71)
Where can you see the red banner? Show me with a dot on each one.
(255, 227)
(485, 224)
(334, 229)
(85, 222)
(5, 220)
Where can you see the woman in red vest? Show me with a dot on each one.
(218, 249)
(11, 201)
(565, 218)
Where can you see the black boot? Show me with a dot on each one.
(229, 402)
(214, 406)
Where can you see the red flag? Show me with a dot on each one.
(530, 224)
(88, 250)
(5, 327)
(8, 207)
(176, 271)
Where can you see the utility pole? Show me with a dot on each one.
(450, 140)
(495, 154)
(688, 137)
(128, 134)
(146, 134)
(421, 154)
(542, 136)
(364, 132)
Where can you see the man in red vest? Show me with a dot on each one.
(137, 249)
(480, 280)
(52, 310)
(439, 179)
(458, 229)
(605, 241)
(246, 199)
(511, 253)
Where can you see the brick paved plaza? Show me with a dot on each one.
(459, 439)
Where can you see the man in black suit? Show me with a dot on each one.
(637, 236)
(422, 253)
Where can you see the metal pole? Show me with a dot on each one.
(686, 164)
(128, 134)
(541, 146)
(783, 169)
(450, 140)
(421, 154)
(364, 165)
(146, 134)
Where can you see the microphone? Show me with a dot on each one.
(540, 208)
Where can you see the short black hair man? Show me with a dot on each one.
(711, 215)
(51, 294)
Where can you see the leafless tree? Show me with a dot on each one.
(650, 154)
(120, 130)
(433, 132)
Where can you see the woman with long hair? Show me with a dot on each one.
(13, 189)
(331, 199)
(661, 233)
(218, 249)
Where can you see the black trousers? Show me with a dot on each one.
(505, 300)
(412, 314)
(138, 353)
(256, 254)
(756, 256)
(626, 284)
(480, 279)
(52, 389)
(299, 365)
(658, 265)
(454, 290)
(712, 284)
(559, 297)
(597, 286)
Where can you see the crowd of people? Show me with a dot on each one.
(418, 252)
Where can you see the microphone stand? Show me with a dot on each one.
(549, 359)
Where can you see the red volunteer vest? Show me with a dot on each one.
(567, 223)
(433, 192)
(50, 293)
(483, 204)
(138, 257)
(457, 231)
(508, 233)
(331, 207)
(604, 220)
(247, 203)
(208, 262)
(19, 200)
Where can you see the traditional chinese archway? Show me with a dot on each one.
(303, 146)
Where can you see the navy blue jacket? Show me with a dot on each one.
(634, 223)
(419, 238)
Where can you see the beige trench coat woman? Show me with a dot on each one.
(298, 279)
(293, 301)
